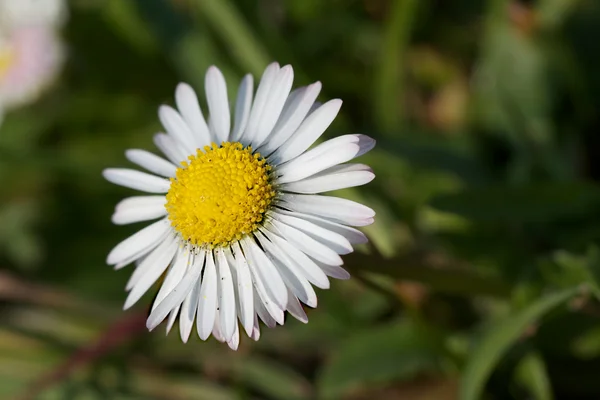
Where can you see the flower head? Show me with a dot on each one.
(242, 232)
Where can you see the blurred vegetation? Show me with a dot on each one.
(481, 281)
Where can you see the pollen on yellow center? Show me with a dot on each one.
(220, 194)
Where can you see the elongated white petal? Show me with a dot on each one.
(243, 106)
(177, 295)
(170, 148)
(258, 106)
(227, 311)
(334, 178)
(275, 102)
(256, 329)
(153, 163)
(311, 129)
(177, 128)
(172, 318)
(295, 110)
(262, 312)
(146, 264)
(189, 107)
(301, 168)
(188, 312)
(330, 239)
(234, 342)
(292, 275)
(136, 180)
(334, 271)
(174, 275)
(306, 244)
(270, 304)
(353, 235)
(159, 263)
(245, 289)
(139, 208)
(312, 272)
(268, 274)
(145, 239)
(218, 105)
(207, 307)
(339, 210)
(295, 309)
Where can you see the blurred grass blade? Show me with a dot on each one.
(276, 380)
(388, 84)
(531, 373)
(235, 32)
(499, 337)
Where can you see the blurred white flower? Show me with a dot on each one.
(30, 59)
(16, 14)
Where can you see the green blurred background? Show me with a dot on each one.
(480, 281)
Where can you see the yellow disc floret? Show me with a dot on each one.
(6, 59)
(219, 195)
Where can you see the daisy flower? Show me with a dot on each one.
(30, 60)
(242, 232)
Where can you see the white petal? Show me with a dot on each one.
(334, 271)
(189, 107)
(263, 314)
(139, 208)
(140, 242)
(312, 272)
(170, 148)
(256, 329)
(295, 309)
(353, 235)
(177, 295)
(332, 240)
(234, 342)
(216, 332)
(172, 318)
(295, 110)
(243, 105)
(152, 268)
(306, 244)
(260, 100)
(207, 307)
(245, 290)
(275, 103)
(269, 275)
(136, 180)
(218, 105)
(306, 165)
(153, 163)
(292, 275)
(177, 127)
(339, 210)
(311, 129)
(188, 312)
(265, 299)
(334, 178)
(174, 275)
(226, 297)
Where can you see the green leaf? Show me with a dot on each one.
(498, 339)
(531, 373)
(378, 356)
(531, 203)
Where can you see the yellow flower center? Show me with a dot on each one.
(220, 195)
(6, 59)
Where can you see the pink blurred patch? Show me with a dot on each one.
(38, 56)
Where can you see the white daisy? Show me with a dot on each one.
(242, 233)
(28, 13)
(30, 60)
